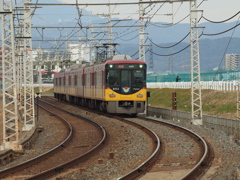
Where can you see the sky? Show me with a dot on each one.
(61, 16)
(215, 10)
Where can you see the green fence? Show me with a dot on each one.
(186, 77)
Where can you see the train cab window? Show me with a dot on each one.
(139, 78)
(113, 78)
(126, 77)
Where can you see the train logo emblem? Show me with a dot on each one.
(126, 89)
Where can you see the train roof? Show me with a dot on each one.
(123, 59)
(112, 60)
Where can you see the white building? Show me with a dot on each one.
(232, 61)
(79, 52)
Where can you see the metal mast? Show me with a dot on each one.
(9, 89)
(195, 66)
(29, 122)
(24, 64)
(141, 32)
(151, 57)
(110, 53)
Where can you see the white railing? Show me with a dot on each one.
(214, 85)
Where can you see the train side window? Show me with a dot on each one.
(75, 80)
(64, 80)
(79, 79)
(83, 79)
(93, 79)
(69, 80)
(60, 81)
(103, 77)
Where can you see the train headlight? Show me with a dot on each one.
(141, 66)
(139, 95)
(112, 95)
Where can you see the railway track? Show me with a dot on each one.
(76, 146)
(187, 155)
(143, 164)
(132, 152)
(188, 152)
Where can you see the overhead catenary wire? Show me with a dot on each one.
(215, 34)
(223, 20)
(170, 25)
(33, 13)
(199, 37)
(217, 72)
(171, 45)
(205, 34)
(154, 14)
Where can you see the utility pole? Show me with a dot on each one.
(9, 86)
(196, 96)
(92, 44)
(24, 79)
(151, 57)
(141, 32)
(29, 117)
(170, 62)
(39, 65)
(110, 53)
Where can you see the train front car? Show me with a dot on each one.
(125, 86)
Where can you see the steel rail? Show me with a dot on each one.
(64, 166)
(32, 161)
(151, 159)
(146, 165)
(197, 170)
(206, 155)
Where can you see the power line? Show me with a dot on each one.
(105, 4)
(224, 54)
(171, 45)
(221, 32)
(223, 20)
(172, 53)
(169, 25)
(199, 37)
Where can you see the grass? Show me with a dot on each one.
(44, 89)
(218, 103)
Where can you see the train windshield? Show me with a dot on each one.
(139, 78)
(113, 78)
(126, 78)
(126, 75)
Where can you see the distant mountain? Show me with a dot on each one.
(212, 54)
(212, 48)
